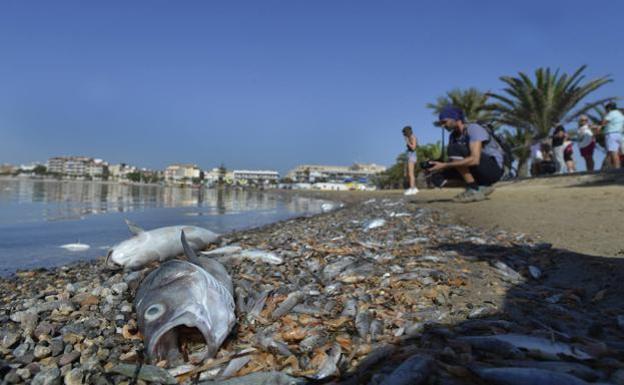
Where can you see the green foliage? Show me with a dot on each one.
(40, 169)
(134, 176)
(471, 101)
(531, 107)
(394, 177)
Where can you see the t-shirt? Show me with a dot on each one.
(536, 152)
(585, 136)
(476, 133)
(615, 122)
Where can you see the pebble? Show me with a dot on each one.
(51, 376)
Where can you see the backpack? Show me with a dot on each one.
(502, 143)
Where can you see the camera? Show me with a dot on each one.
(426, 165)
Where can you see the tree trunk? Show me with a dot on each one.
(523, 166)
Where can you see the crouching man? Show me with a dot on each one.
(474, 157)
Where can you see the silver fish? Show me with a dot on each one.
(523, 376)
(156, 245)
(373, 224)
(227, 253)
(412, 371)
(182, 300)
(515, 344)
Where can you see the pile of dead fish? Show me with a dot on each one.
(380, 292)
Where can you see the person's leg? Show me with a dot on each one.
(613, 147)
(410, 173)
(589, 162)
(570, 166)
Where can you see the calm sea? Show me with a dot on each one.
(38, 216)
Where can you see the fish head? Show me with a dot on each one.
(178, 307)
(127, 253)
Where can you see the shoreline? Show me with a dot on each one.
(425, 282)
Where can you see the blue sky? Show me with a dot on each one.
(270, 84)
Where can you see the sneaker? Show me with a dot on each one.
(411, 191)
(487, 190)
(470, 195)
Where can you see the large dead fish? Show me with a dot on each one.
(156, 245)
(182, 302)
(524, 376)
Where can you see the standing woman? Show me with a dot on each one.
(411, 143)
(587, 143)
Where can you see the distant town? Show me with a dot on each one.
(358, 176)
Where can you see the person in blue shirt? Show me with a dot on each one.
(613, 127)
(474, 156)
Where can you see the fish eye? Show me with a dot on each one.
(154, 311)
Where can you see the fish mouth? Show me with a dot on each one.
(109, 263)
(182, 340)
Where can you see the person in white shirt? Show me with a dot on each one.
(587, 142)
(411, 143)
(536, 157)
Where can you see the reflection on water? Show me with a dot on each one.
(37, 216)
(68, 200)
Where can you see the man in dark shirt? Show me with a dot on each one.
(474, 156)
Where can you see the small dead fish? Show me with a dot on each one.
(267, 342)
(329, 366)
(258, 304)
(363, 323)
(535, 272)
(312, 342)
(413, 371)
(534, 346)
(376, 329)
(333, 269)
(259, 378)
(291, 301)
(508, 273)
(523, 376)
(234, 366)
(223, 250)
(374, 223)
(350, 308)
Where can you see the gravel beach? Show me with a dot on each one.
(381, 290)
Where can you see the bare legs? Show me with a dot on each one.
(614, 158)
(589, 162)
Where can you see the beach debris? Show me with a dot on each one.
(345, 306)
(185, 302)
(156, 245)
(75, 247)
(148, 373)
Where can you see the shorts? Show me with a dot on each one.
(613, 141)
(486, 173)
(567, 153)
(588, 150)
(411, 157)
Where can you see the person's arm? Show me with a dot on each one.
(472, 160)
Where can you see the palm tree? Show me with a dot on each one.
(532, 107)
(471, 101)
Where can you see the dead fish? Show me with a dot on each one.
(228, 253)
(363, 323)
(376, 329)
(508, 273)
(234, 366)
(535, 272)
(312, 341)
(350, 308)
(258, 378)
(534, 346)
(573, 368)
(413, 371)
(258, 304)
(332, 270)
(524, 376)
(329, 366)
(183, 300)
(374, 223)
(156, 245)
(147, 373)
(266, 340)
(286, 305)
(232, 249)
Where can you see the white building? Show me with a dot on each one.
(182, 173)
(356, 172)
(260, 177)
(120, 171)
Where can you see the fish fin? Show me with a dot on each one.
(134, 229)
(188, 250)
(108, 255)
